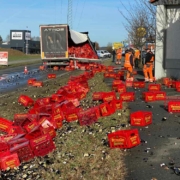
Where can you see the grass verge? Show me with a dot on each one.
(82, 152)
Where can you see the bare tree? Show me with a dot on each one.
(109, 47)
(35, 38)
(96, 45)
(140, 21)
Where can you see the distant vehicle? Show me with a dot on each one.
(103, 54)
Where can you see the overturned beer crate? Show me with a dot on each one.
(124, 139)
(141, 118)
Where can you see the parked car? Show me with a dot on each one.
(103, 54)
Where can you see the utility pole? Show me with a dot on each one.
(69, 15)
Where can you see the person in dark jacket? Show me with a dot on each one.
(114, 54)
(148, 66)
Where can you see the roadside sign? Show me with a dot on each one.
(3, 58)
(117, 45)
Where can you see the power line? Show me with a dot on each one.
(69, 14)
(81, 12)
(76, 10)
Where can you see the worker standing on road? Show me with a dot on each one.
(114, 54)
(148, 66)
(128, 65)
(136, 57)
(118, 55)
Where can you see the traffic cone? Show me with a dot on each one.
(25, 70)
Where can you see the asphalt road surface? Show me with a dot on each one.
(158, 155)
(14, 78)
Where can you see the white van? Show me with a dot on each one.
(103, 54)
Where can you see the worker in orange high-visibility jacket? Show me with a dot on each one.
(118, 56)
(128, 65)
(148, 66)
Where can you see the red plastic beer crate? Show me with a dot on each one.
(23, 151)
(177, 86)
(127, 96)
(30, 81)
(7, 137)
(97, 111)
(109, 96)
(5, 125)
(42, 145)
(139, 84)
(148, 96)
(166, 81)
(51, 76)
(87, 117)
(117, 103)
(124, 139)
(159, 95)
(20, 116)
(112, 75)
(141, 118)
(129, 83)
(121, 88)
(110, 68)
(35, 134)
(121, 72)
(16, 129)
(9, 161)
(37, 84)
(174, 106)
(117, 82)
(31, 126)
(71, 114)
(97, 96)
(106, 109)
(25, 100)
(49, 130)
(58, 117)
(173, 84)
(154, 87)
(4, 147)
(42, 101)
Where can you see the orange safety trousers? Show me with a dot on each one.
(118, 59)
(129, 72)
(148, 71)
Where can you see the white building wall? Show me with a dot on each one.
(159, 53)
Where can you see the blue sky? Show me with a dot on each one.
(100, 18)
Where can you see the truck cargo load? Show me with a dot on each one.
(59, 45)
